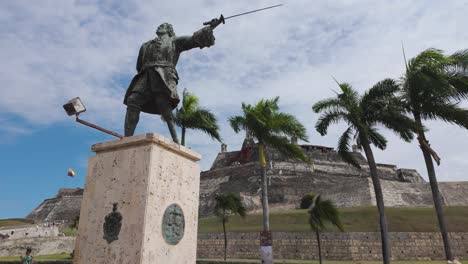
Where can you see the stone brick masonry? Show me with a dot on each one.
(335, 246)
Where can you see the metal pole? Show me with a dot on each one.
(98, 128)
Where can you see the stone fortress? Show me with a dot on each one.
(327, 174)
(289, 180)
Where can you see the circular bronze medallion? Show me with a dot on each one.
(173, 224)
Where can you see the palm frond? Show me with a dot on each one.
(327, 118)
(344, 148)
(379, 93)
(227, 204)
(327, 104)
(189, 102)
(289, 126)
(450, 113)
(284, 146)
(376, 138)
(323, 212)
(237, 123)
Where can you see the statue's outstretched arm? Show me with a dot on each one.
(201, 38)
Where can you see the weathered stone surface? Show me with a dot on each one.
(28, 231)
(335, 246)
(64, 206)
(39, 245)
(143, 175)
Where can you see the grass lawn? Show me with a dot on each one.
(69, 231)
(43, 257)
(355, 219)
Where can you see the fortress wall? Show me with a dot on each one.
(63, 208)
(39, 245)
(335, 246)
(404, 194)
(237, 178)
(289, 182)
(454, 193)
(343, 191)
(28, 231)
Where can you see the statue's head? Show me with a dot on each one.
(165, 28)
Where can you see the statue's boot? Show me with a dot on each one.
(131, 120)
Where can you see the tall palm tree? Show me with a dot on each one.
(273, 129)
(432, 88)
(226, 205)
(378, 106)
(192, 116)
(323, 212)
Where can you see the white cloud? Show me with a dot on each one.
(52, 51)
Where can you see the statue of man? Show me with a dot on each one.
(154, 89)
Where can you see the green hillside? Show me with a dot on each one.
(356, 219)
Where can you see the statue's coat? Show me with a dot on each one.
(158, 58)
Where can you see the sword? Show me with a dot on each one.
(216, 21)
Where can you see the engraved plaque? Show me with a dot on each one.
(173, 224)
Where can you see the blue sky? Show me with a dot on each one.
(52, 51)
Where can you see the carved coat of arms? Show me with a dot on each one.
(112, 225)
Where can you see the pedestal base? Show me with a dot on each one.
(140, 203)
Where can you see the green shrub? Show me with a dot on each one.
(307, 200)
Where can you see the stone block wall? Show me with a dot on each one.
(454, 193)
(60, 208)
(39, 245)
(28, 231)
(335, 246)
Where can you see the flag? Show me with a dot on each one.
(71, 173)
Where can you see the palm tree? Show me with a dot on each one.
(432, 88)
(378, 106)
(226, 205)
(273, 129)
(192, 116)
(322, 212)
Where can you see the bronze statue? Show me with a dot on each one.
(154, 89)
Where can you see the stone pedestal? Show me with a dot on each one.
(140, 203)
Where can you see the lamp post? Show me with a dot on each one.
(75, 107)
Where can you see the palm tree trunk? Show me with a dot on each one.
(183, 136)
(225, 236)
(435, 192)
(317, 233)
(380, 202)
(266, 209)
